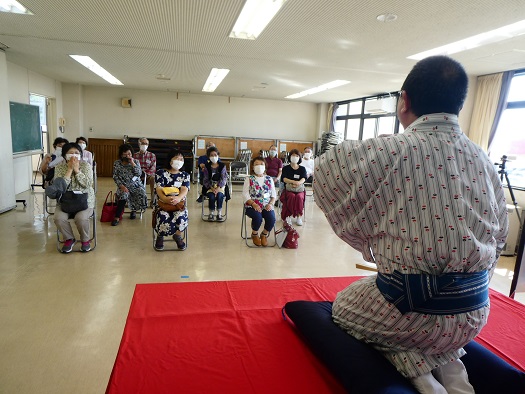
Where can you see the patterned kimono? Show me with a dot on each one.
(129, 176)
(426, 201)
(169, 222)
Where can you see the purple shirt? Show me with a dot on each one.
(273, 166)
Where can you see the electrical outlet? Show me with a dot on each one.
(91, 129)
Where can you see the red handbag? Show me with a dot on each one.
(109, 209)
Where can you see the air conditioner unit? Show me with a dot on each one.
(385, 105)
(511, 247)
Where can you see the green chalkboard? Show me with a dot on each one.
(25, 128)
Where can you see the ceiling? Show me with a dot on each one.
(308, 43)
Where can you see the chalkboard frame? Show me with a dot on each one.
(26, 133)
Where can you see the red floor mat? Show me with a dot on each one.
(230, 337)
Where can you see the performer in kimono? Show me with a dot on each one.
(428, 208)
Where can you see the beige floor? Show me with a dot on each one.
(62, 316)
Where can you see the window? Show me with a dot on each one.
(509, 140)
(357, 121)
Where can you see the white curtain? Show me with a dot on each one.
(485, 108)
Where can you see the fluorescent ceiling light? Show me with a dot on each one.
(214, 79)
(254, 17)
(489, 37)
(321, 88)
(14, 7)
(92, 65)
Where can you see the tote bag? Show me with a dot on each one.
(110, 208)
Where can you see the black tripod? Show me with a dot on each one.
(503, 174)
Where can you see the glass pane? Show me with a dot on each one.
(353, 129)
(340, 126)
(509, 141)
(39, 101)
(369, 128)
(386, 125)
(355, 107)
(342, 110)
(517, 89)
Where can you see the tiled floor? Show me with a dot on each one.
(62, 316)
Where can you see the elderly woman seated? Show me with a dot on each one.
(126, 174)
(292, 198)
(259, 196)
(215, 178)
(76, 176)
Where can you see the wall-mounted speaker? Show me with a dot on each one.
(126, 102)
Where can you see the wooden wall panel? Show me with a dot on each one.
(106, 152)
(299, 145)
(226, 145)
(255, 145)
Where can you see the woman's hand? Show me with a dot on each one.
(124, 188)
(74, 164)
(269, 207)
(257, 207)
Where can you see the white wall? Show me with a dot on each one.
(7, 185)
(163, 115)
(20, 83)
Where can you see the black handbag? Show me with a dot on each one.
(71, 202)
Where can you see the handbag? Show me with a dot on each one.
(180, 206)
(298, 189)
(290, 242)
(109, 209)
(73, 201)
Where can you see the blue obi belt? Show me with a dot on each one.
(446, 294)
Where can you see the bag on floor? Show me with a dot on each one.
(110, 208)
(287, 237)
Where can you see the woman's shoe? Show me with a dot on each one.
(256, 240)
(264, 239)
(180, 242)
(115, 222)
(132, 215)
(211, 217)
(299, 221)
(159, 243)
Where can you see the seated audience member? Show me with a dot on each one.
(431, 214)
(75, 175)
(148, 164)
(201, 163)
(215, 178)
(284, 157)
(274, 166)
(50, 161)
(87, 156)
(292, 198)
(126, 174)
(308, 163)
(259, 196)
(175, 222)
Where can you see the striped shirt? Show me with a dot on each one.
(426, 201)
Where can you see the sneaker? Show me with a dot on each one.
(211, 217)
(132, 215)
(219, 217)
(86, 246)
(199, 199)
(300, 221)
(264, 239)
(180, 242)
(68, 245)
(256, 240)
(115, 222)
(159, 243)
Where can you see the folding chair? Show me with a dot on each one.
(280, 204)
(167, 239)
(244, 231)
(238, 171)
(92, 240)
(142, 210)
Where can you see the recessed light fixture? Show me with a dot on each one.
(162, 77)
(13, 7)
(254, 17)
(214, 79)
(93, 66)
(321, 88)
(388, 17)
(489, 37)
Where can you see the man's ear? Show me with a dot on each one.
(405, 104)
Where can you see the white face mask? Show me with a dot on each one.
(70, 155)
(214, 159)
(82, 145)
(58, 151)
(177, 164)
(294, 159)
(273, 153)
(143, 148)
(259, 169)
(307, 155)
